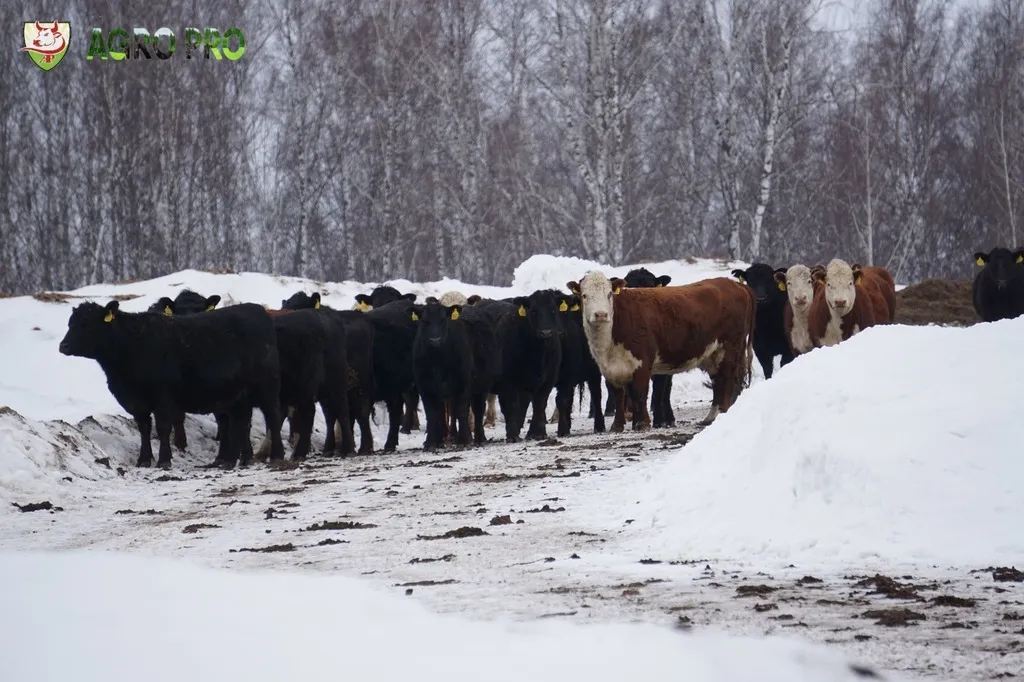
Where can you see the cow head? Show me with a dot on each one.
(798, 285)
(595, 291)
(642, 278)
(453, 298)
(433, 320)
(541, 312)
(841, 286)
(381, 295)
(761, 278)
(48, 36)
(474, 299)
(301, 301)
(1000, 264)
(89, 329)
(164, 305)
(188, 302)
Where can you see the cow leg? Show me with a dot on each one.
(365, 435)
(509, 402)
(666, 407)
(612, 404)
(637, 390)
(787, 356)
(222, 442)
(145, 424)
(619, 396)
(477, 410)
(269, 403)
(433, 408)
(563, 408)
(538, 424)
(594, 388)
(246, 454)
(394, 405)
(180, 439)
(767, 360)
(450, 424)
(492, 410)
(411, 419)
(657, 414)
(460, 412)
(303, 423)
(164, 424)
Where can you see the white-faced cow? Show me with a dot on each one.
(855, 298)
(801, 287)
(634, 333)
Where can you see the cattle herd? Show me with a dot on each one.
(459, 354)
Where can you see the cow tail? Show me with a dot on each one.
(751, 323)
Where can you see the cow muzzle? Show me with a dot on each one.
(599, 317)
(64, 348)
(545, 333)
(434, 341)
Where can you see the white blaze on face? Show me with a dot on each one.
(840, 291)
(799, 287)
(596, 298)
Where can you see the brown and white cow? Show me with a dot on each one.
(801, 287)
(855, 297)
(634, 333)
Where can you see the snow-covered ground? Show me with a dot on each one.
(859, 500)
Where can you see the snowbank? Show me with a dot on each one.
(900, 444)
(112, 617)
(552, 272)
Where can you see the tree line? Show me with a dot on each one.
(376, 139)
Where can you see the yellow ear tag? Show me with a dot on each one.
(316, 305)
(782, 286)
(856, 280)
(167, 311)
(616, 290)
(979, 261)
(1020, 258)
(415, 317)
(109, 317)
(563, 306)
(363, 306)
(659, 284)
(739, 278)
(575, 307)
(522, 311)
(212, 307)
(455, 314)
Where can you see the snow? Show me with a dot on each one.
(116, 617)
(898, 445)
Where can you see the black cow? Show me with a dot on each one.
(456, 363)
(224, 361)
(314, 368)
(578, 367)
(662, 414)
(998, 288)
(380, 296)
(528, 329)
(187, 302)
(360, 356)
(769, 331)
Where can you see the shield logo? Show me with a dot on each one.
(47, 42)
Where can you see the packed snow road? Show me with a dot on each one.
(489, 533)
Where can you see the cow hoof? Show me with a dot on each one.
(642, 426)
(405, 429)
(244, 463)
(145, 463)
(617, 428)
(164, 464)
(512, 439)
(226, 465)
(365, 451)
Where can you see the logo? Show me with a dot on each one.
(46, 43)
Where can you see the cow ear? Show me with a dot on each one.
(664, 280)
(981, 258)
(1018, 256)
(618, 284)
(431, 299)
(818, 273)
(111, 308)
(780, 279)
(857, 273)
(563, 306)
(574, 287)
(363, 303)
(454, 311)
(414, 314)
(212, 302)
(409, 297)
(520, 303)
(738, 274)
(474, 299)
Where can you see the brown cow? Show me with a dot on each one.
(801, 287)
(634, 333)
(855, 298)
